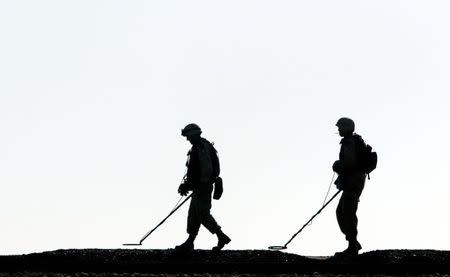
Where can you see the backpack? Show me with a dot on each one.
(211, 166)
(366, 157)
(218, 183)
(208, 161)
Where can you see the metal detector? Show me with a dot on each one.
(282, 247)
(151, 231)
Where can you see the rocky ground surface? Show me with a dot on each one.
(136, 263)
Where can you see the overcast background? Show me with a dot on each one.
(93, 95)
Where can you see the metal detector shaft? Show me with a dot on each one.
(328, 202)
(174, 210)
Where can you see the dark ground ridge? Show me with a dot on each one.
(228, 261)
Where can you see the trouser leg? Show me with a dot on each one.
(204, 210)
(339, 214)
(210, 223)
(199, 214)
(193, 220)
(346, 215)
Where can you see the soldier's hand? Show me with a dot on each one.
(338, 183)
(337, 167)
(182, 189)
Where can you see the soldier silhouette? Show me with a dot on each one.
(203, 171)
(351, 180)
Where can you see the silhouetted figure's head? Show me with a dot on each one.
(346, 127)
(192, 133)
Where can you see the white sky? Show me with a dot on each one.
(93, 95)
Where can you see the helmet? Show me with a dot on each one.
(191, 129)
(346, 123)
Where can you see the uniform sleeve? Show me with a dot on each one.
(190, 164)
(347, 156)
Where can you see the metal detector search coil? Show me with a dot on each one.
(277, 248)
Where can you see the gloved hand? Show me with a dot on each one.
(337, 167)
(183, 189)
(338, 183)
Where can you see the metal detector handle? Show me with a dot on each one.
(306, 224)
(174, 210)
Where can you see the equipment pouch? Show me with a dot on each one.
(218, 188)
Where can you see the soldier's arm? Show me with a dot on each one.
(348, 157)
(188, 178)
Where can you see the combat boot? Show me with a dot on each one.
(222, 240)
(185, 247)
(352, 250)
